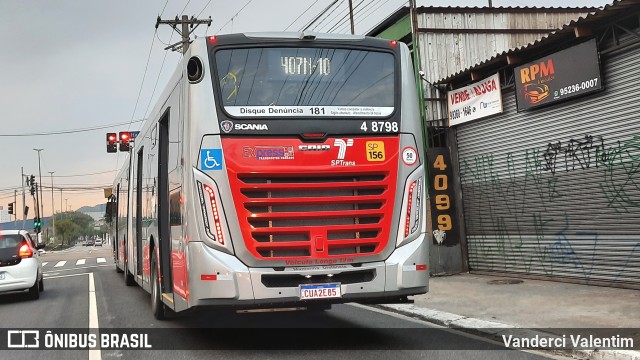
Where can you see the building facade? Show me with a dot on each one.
(550, 187)
(450, 40)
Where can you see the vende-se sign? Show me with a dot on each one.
(563, 75)
(475, 101)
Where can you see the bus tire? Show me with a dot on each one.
(128, 278)
(157, 306)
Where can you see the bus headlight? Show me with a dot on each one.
(411, 220)
(213, 217)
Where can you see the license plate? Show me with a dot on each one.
(320, 291)
(1, 276)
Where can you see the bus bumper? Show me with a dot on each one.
(219, 279)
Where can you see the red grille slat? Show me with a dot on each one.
(314, 200)
(307, 229)
(365, 185)
(321, 211)
(282, 245)
(325, 215)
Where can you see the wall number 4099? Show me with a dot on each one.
(442, 201)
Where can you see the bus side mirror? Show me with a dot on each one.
(110, 210)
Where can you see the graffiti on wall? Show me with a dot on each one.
(554, 210)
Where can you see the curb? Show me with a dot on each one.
(494, 331)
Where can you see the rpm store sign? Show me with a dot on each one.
(445, 229)
(560, 76)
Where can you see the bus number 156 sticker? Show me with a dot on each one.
(375, 150)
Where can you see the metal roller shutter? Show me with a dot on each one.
(556, 191)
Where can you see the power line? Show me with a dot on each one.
(146, 112)
(201, 11)
(90, 174)
(231, 19)
(71, 131)
(362, 14)
(328, 15)
(299, 16)
(345, 18)
(308, 25)
(330, 21)
(146, 67)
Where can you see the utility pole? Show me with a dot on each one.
(40, 183)
(53, 208)
(490, 3)
(353, 30)
(24, 215)
(15, 207)
(184, 31)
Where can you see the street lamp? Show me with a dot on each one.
(40, 182)
(53, 208)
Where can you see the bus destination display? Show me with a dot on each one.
(302, 65)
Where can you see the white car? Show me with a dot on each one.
(20, 266)
(98, 242)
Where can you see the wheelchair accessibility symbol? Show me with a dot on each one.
(211, 159)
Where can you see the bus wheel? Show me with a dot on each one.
(128, 278)
(157, 306)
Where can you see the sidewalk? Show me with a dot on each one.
(472, 303)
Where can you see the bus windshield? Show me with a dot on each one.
(305, 82)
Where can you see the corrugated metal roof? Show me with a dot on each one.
(404, 11)
(450, 41)
(608, 12)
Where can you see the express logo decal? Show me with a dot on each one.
(268, 152)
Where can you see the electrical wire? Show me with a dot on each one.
(346, 18)
(201, 11)
(299, 16)
(89, 174)
(146, 112)
(231, 19)
(312, 21)
(71, 131)
(328, 15)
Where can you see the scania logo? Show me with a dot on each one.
(226, 126)
(251, 127)
(314, 147)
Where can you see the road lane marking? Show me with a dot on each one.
(45, 263)
(80, 261)
(64, 276)
(94, 354)
(102, 260)
(79, 268)
(60, 264)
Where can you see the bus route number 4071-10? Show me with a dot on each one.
(380, 126)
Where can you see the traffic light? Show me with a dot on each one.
(125, 138)
(112, 141)
(11, 208)
(37, 225)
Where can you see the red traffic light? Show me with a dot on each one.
(125, 137)
(112, 140)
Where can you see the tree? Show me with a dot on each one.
(72, 224)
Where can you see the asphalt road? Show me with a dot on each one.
(346, 331)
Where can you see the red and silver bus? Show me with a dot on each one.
(277, 170)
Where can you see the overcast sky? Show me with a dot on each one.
(72, 64)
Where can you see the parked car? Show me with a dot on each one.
(20, 266)
(98, 242)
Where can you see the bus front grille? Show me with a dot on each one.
(314, 215)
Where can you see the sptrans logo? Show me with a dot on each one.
(342, 152)
(343, 145)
